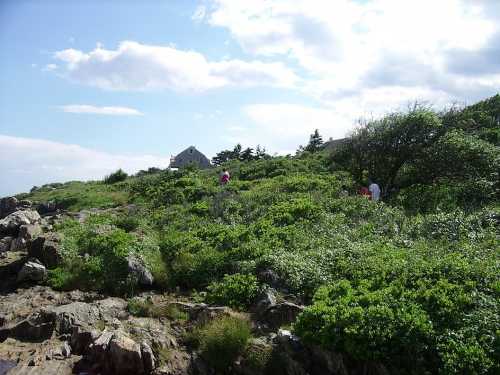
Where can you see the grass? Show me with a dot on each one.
(76, 195)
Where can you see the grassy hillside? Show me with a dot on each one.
(412, 282)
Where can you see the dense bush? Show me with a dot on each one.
(238, 291)
(114, 177)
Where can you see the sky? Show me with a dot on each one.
(87, 87)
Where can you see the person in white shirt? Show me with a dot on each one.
(375, 190)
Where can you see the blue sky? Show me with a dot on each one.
(90, 86)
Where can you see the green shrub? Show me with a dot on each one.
(127, 223)
(237, 291)
(115, 177)
(222, 340)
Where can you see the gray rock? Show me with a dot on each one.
(32, 270)
(137, 268)
(148, 358)
(17, 244)
(5, 244)
(82, 337)
(12, 222)
(125, 355)
(99, 348)
(29, 232)
(282, 314)
(46, 248)
(7, 206)
(266, 300)
(74, 314)
(37, 327)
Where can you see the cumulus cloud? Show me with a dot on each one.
(141, 67)
(354, 47)
(25, 162)
(90, 109)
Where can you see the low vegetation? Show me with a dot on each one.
(410, 282)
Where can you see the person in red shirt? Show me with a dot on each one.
(365, 192)
(225, 177)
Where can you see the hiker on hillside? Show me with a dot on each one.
(374, 190)
(363, 191)
(225, 177)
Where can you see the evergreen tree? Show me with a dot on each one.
(315, 142)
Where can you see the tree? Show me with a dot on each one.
(247, 154)
(384, 147)
(315, 142)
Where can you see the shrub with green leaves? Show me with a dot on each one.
(238, 291)
(115, 177)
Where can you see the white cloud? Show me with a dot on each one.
(25, 162)
(347, 46)
(90, 109)
(49, 67)
(136, 66)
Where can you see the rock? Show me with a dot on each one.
(179, 363)
(74, 314)
(112, 308)
(32, 270)
(282, 314)
(46, 207)
(17, 244)
(5, 244)
(46, 248)
(37, 327)
(45, 368)
(99, 348)
(29, 232)
(265, 301)
(82, 337)
(269, 277)
(148, 358)
(12, 222)
(125, 355)
(137, 268)
(7, 206)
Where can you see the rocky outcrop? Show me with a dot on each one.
(11, 224)
(5, 244)
(32, 270)
(125, 355)
(46, 248)
(139, 270)
(7, 206)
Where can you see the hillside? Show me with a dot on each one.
(315, 278)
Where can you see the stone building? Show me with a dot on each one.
(189, 156)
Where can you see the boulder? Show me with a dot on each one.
(74, 314)
(12, 222)
(37, 327)
(5, 244)
(265, 301)
(282, 314)
(125, 355)
(137, 268)
(148, 358)
(29, 232)
(17, 244)
(7, 206)
(32, 270)
(46, 248)
(99, 348)
(81, 338)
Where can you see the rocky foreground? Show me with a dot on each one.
(43, 331)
